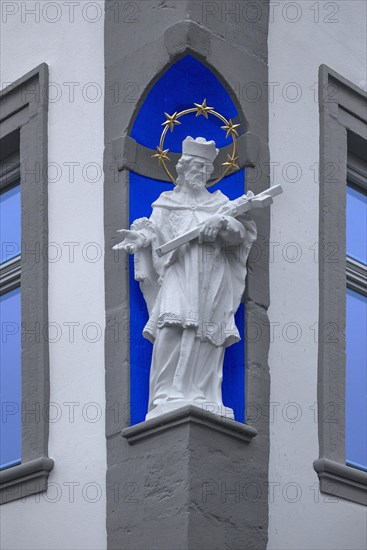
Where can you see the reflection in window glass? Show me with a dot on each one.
(10, 223)
(10, 379)
(356, 380)
(356, 224)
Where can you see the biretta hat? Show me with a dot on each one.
(199, 147)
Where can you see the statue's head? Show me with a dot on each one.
(196, 163)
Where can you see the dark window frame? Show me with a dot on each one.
(24, 108)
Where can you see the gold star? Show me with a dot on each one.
(161, 155)
(231, 129)
(203, 109)
(171, 121)
(231, 163)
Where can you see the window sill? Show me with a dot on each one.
(25, 479)
(341, 481)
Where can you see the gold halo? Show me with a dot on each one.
(199, 109)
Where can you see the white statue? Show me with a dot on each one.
(193, 291)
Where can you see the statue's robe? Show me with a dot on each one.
(192, 295)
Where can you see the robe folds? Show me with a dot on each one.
(196, 290)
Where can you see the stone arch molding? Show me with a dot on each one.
(185, 38)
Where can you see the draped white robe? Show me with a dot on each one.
(192, 295)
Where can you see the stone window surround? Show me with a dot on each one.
(24, 108)
(342, 107)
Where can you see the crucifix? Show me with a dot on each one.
(191, 280)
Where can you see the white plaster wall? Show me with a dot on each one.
(72, 514)
(296, 50)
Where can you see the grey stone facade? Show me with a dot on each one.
(191, 485)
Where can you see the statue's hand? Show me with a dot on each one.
(132, 242)
(211, 228)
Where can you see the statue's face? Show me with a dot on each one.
(183, 164)
(194, 170)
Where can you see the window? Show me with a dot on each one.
(10, 315)
(342, 289)
(24, 287)
(356, 316)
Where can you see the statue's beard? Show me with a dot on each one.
(192, 180)
(194, 184)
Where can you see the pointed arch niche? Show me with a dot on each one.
(184, 83)
(168, 60)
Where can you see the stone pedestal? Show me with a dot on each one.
(187, 480)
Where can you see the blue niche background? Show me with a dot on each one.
(185, 83)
